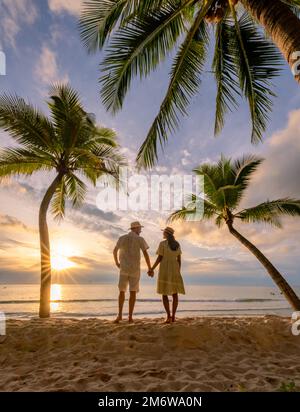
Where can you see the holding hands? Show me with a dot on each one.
(151, 273)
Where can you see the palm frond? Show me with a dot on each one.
(25, 124)
(234, 178)
(196, 209)
(101, 161)
(111, 161)
(212, 182)
(99, 18)
(183, 214)
(184, 84)
(270, 211)
(224, 174)
(258, 61)
(64, 100)
(106, 136)
(244, 168)
(99, 136)
(138, 48)
(75, 189)
(193, 201)
(58, 201)
(219, 220)
(17, 161)
(225, 74)
(68, 115)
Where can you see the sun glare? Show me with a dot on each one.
(55, 296)
(60, 259)
(61, 263)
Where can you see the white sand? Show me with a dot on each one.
(194, 354)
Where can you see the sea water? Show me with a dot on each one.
(100, 300)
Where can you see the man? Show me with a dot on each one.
(129, 262)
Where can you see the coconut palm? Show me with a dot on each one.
(140, 34)
(68, 143)
(225, 184)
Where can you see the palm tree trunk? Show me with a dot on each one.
(45, 290)
(283, 285)
(281, 24)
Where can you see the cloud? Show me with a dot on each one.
(47, 67)
(11, 243)
(279, 175)
(204, 234)
(21, 276)
(221, 266)
(21, 189)
(185, 158)
(14, 14)
(11, 221)
(72, 7)
(93, 211)
(104, 228)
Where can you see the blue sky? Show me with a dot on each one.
(42, 45)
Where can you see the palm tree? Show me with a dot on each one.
(140, 34)
(224, 186)
(69, 143)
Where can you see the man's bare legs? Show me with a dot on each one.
(132, 301)
(174, 306)
(121, 304)
(167, 308)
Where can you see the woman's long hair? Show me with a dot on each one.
(173, 244)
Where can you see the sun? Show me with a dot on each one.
(61, 263)
(60, 259)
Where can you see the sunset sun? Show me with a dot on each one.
(61, 263)
(60, 259)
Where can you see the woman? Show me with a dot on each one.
(169, 281)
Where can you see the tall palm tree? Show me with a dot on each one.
(69, 143)
(140, 34)
(224, 186)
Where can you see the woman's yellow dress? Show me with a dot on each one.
(169, 278)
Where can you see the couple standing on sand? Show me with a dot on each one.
(127, 255)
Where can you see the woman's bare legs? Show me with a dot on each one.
(174, 306)
(167, 308)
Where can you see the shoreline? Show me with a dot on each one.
(255, 353)
(142, 317)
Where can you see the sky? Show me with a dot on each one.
(42, 45)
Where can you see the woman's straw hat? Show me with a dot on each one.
(169, 230)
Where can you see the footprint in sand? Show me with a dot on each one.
(153, 373)
(105, 377)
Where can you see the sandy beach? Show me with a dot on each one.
(193, 354)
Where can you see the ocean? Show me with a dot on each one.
(100, 300)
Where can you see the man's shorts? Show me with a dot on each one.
(132, 281)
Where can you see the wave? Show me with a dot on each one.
(247, 300)
(145, 313)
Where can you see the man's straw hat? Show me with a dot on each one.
(135, 225)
